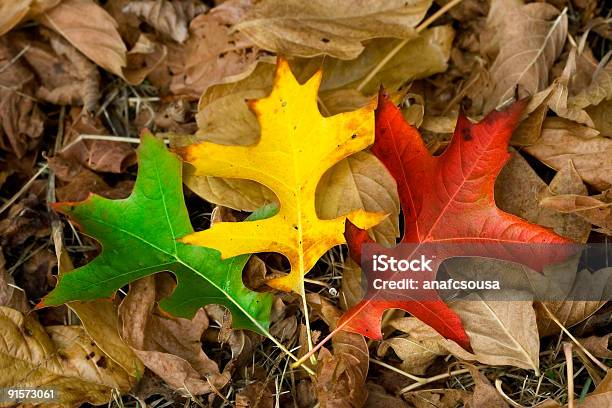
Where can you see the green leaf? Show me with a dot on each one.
(139, 238)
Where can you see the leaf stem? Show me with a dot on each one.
(402, 43)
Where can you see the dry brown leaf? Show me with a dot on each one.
(255, 395)
(500, 332)
(531, 40)
(591, 154)
(569, 313)
(167, 17)
(596, 210)
(485, 395)
(520, 191)
(215, 54)
(21, 121)
(499, 10)
(600, 114)
(10, 295)
(96, 36)
(599, 346)
(66, 76)
(351, 291)
(307, 29)
(59, 357)
(341, 376)
(168, 346)
(440, 398)
(417, 349)
(600, 89)
(97, 155)
(12, 12)
(360, 182)
(100, 321)
(379, 398)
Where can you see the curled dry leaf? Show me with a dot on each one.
(591, 154)
(307, 29)
(599, 89)
(596, 210)
(10, 295)
(485, 395)
(520, 191)
(532, 38)
(100, 320)
(21, 121)
(341, 376)
(360, 182)
(59, 357)
(214, 53)
(67, 77)
(167, 17)
(168, 346)
(97, 155)
(599, 346)
(417, 349)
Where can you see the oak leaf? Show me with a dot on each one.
(138, 237)
(306, 29)
(447, 198)
(297, 146)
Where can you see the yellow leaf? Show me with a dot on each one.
(297, 146)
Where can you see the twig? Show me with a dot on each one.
(498, 384)
(433, 379)
(567, 350)
(554, 319)
(401, 372)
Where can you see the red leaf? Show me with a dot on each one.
(446, 199)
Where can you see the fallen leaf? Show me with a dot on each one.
(10, 295)
(168, 346)
(149, 248)
(379, 398)
(599, 346)
(520, 191)
(13, 12)
(442, 199)
(286, 143)
(596, 209)
(295, 28)
(341, 376)
(417, 349)
(59, 357)
(21, 121)
(485, 395)
(533, 36)
(600, 114)
(97, 155)
(599, 90)
(169, 18)
(255, 395)
(74, 182)
(95, 36)
(214, 53)
(591, 154)
(360, 182)
(500, 332)
(352, 291)
(67, 77)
